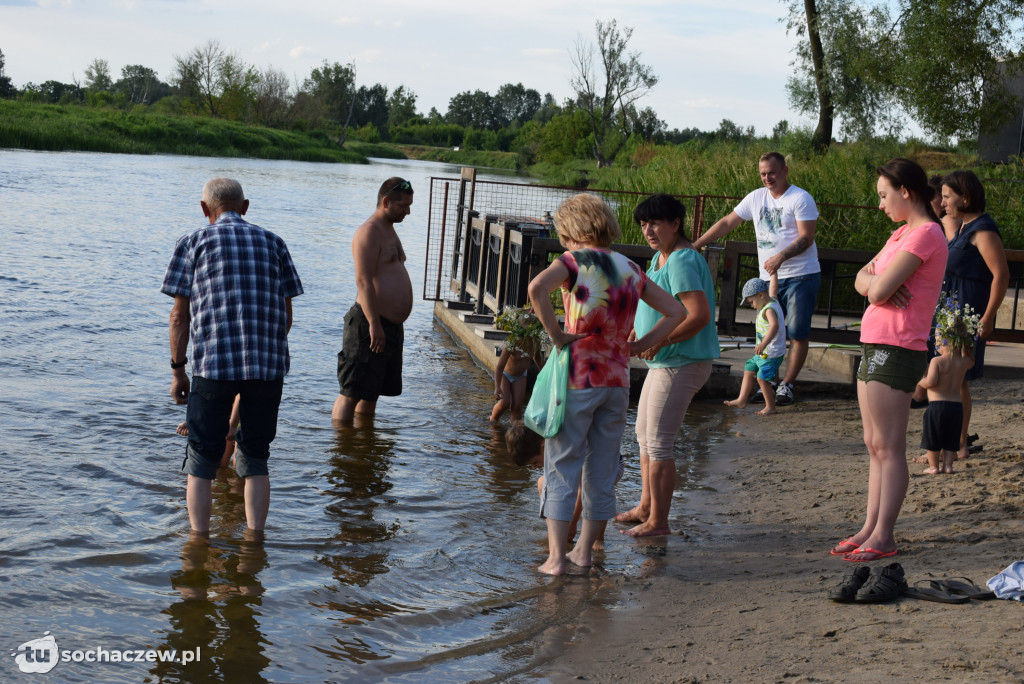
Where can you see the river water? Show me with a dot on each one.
(405, 552)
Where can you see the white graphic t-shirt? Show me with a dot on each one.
(775, 227)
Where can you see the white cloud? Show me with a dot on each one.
(300, 51)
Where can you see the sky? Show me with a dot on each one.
(715, 60)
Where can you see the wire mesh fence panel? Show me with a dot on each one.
(515, 202)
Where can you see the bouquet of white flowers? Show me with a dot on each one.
(956, 326)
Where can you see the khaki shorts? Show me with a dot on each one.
(896, 367)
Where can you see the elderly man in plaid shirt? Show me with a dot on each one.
(232, 284)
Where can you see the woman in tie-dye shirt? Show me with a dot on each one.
(600, 292)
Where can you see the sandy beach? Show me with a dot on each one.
(739, 591)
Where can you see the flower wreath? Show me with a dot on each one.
(525, 333)
(957, 326)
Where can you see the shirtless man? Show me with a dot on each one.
(370, 362)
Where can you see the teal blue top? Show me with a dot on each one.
(684, 271)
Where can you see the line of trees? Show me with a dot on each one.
(864, 66)
(871, 65)
(209, 80)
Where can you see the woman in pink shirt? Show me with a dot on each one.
(902, 284)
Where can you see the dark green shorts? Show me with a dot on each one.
(896, 367)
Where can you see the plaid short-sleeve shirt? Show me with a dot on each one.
(237, 276)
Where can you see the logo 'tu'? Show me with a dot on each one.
(38, 656)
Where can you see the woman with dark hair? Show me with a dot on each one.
(949, 227)
(902, 286)
(678, 366)
(949, 224)
(976, 272)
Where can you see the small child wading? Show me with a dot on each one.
(771, 343)
(522, 348)
(955, 331)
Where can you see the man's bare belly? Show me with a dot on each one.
(394, 293)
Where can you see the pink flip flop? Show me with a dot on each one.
(844, 547)
(867, 550)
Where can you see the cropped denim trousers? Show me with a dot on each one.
(209, 413)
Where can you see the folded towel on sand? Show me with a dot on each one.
(1009, 584)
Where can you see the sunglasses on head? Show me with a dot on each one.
(404, 186)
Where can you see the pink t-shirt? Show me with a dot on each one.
(908, 328)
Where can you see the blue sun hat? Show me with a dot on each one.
(754, 286)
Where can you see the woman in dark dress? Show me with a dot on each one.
(976, 271)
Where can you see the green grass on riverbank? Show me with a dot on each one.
(60, 128)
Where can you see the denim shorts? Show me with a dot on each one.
(798, 296)
(209, 413)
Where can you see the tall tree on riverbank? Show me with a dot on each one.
(872, 64)
(271, 97)
(401, 106)
(97, 76)
(608, 90)
(140, 85)
(826, 110)
(6, 87)
(333, 86)
(197, 75)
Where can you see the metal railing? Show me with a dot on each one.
(494, 237)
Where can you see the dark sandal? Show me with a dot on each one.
(930, 590)
(964, 586)
(886, 584)
(846, 591)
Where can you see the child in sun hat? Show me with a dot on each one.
(770, 326)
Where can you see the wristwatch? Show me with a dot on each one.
(175, 365)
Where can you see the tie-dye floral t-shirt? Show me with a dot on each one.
(600, 297)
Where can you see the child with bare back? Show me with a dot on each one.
(522, 349)
(770, 349)
(955, 331)
(526, 448)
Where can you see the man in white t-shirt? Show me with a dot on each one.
(785, 220)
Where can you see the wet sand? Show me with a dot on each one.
(739, 591)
